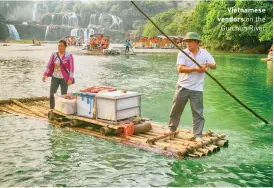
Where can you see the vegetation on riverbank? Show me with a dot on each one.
(219, 27)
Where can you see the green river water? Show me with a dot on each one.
(32, 153)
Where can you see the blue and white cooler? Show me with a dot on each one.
(86, 105)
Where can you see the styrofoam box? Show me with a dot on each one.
(65, 106)
(85, 105)
(117, 105)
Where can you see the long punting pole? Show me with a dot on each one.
(234, 97)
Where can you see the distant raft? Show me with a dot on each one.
(146, 135)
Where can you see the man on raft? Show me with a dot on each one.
(190, 84)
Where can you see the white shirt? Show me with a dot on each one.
(194, 80)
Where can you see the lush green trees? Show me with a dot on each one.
(206, 19)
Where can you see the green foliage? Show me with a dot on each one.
(267, 34)
(204, 20)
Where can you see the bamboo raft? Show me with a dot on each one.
(179, 144)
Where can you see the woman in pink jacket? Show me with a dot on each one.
(61, 68)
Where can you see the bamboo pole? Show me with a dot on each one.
(11, 111)
(153, 140)
(194, 61)
(213, 148)
(105, 130)
(185, 136)
(28, 108)
(205, 151)
(142, 127)
(19, 111)
(8, 101)
(199, 154)
(76, 122)
(222, 143)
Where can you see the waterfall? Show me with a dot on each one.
(100, 20)
(52, 17)
(74, 32)
(92, 19)
(116, 21)
(73, 20)
(13, 32)
(86, 41)
(34, 11)
(87, 33)
(51, 30)
(47, 32)
(65, 20)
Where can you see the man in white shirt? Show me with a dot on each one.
(190, 84)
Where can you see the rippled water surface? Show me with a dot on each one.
(36, 154)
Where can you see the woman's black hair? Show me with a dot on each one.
(63, 41)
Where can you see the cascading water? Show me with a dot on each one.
(47, 32)
(86, 41)
(116, 21)
(101, 19)
(34, 12)
(92, 19)
(74, 32)
(65, 20)
(13, 32)
(50, 32)
(73, 20)
(52, 17)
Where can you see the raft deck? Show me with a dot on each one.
(178, 144)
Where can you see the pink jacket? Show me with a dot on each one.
(68, 61)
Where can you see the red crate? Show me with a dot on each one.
(127, 129)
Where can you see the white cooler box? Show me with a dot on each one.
(65, 106)
(116, 105)
(85, 105)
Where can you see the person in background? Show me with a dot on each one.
(57, 71)
(127, 44)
